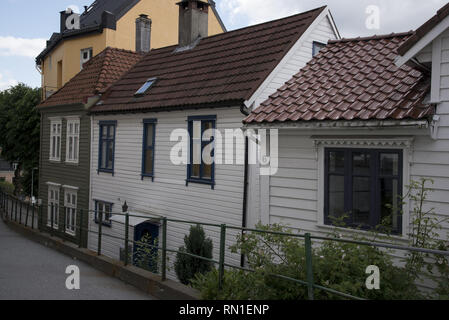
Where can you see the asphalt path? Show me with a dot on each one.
(30, 271)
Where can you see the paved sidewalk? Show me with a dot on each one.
(29, 270)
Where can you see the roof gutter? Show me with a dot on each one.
(331, 125)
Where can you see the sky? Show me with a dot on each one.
(25, 25)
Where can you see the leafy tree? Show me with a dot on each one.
(187, 267)
(20, 133)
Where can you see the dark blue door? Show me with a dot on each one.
(145, 256)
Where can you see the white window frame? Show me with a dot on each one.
(73, 139)
(70, 207)
(90, 52)
(54, 194)
(404, 143)
(55, 139)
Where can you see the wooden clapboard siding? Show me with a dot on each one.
(75, 175)
(168, 195)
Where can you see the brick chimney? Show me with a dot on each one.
(143, 33)
(193, 21)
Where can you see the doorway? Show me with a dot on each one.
(144, 256)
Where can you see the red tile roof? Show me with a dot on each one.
(222, 69)
(424, 29)
(96, 77)
(350, 79)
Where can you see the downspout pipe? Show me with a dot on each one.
(245, 112)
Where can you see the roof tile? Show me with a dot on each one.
(360, 82)
(225, 68)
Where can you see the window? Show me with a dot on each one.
(70, 201)
(73, 137)
(201, 165)
(146, 86)
(365, 186)
(53, 206)
(317, 46)
(86, 55)
(55, 140)
(107, 146)
(106, 209)
(149, 137)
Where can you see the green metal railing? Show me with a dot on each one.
(8, 205)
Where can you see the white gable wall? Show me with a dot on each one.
(322, 30)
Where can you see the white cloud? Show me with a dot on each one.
(11, 46)
(350, 15)
(74, 8)
(6, 83)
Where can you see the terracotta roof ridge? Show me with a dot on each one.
(374, 37)
(320, 9)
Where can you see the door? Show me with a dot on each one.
(144, 256)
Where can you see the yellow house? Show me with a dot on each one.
(126, 24)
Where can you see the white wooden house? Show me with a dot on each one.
(214, 82)
(364, 118)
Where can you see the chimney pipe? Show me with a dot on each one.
(193, 21)
(64, 15)
(143, 33)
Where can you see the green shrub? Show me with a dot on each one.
(339, 266)
(186, 267)
(6, 187)
(146, 256)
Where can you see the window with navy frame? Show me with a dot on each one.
(106, 209)
(149, 139)
(363, 188)
(106, 152)
(199, 170)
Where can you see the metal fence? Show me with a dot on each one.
(31, 216)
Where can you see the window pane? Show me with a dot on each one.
(389, 164)
(195, 170)
(361, 202)
(207, 171)
(58, 145)
(149, 137)
(197, 157)
(104, 147)
(104, 132)
(336, 196)
(337, 161)
(75, 149)
(361, 163)
(196, 130)
(208, 126)
(390, 203)
(149, 161)
(110, 155)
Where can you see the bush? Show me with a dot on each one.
(6, 187)
(339, 266)
(187, 267)
(146, 255)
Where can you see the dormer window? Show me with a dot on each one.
(147, 85)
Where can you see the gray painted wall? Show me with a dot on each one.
(75, 175)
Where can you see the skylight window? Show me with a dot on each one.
(147, 85)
